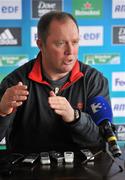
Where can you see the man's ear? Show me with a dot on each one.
(39, 43)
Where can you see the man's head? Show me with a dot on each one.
(45, 20)
(58, 38)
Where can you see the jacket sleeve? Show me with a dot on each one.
(5, 121)
(5, 124)
(85, 132)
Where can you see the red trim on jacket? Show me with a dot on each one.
(36, 74)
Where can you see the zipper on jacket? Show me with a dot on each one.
(56, 90)
(59, 90)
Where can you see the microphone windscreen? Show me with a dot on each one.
(99, 109)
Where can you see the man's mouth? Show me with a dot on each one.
(68, 62)
(69, 59)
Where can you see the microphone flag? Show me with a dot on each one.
(99, 109)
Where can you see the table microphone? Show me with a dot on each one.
(101, 113)
(91, 157)
(98, 153)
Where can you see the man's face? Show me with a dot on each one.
(60, 52)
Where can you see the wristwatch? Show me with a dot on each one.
(76, 114)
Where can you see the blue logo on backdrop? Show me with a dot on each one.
(119, 82)
(120, 8)
(91, 36)
(119, 107)
(9, 9)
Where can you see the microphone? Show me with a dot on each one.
(101, 113)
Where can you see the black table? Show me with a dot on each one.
(103, 168)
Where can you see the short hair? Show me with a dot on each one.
(46, 19)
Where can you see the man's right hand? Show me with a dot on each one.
(12, 98)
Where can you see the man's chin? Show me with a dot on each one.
(68, 66)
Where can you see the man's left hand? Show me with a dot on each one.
(61, 107)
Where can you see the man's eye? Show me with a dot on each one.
(59, 43)
(76, 43)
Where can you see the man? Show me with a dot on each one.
(43, 103)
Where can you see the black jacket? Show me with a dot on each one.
(34, 127)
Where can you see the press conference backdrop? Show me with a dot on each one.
(102, 40)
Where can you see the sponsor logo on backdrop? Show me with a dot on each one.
(118, 8)
(33, 36)
(118, 106)
(120, 131)
(91, 35)
(102, 59)
(87, 9)
(40, 7)
(10, 9)
(13, 60)
(118, 81)
(10, 36)
(118, 34)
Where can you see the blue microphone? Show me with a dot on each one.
(101, 113)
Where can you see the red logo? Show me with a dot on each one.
(87, 5)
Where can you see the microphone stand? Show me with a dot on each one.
(94, 155)
(114, 160)
(110, 155)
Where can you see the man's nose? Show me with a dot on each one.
(69, 49)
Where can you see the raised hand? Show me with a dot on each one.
(12, 98)
(61, 106)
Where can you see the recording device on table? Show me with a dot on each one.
(44, 158)
(8, 163)
(14, 158)
(67, 156)
(88, 154)
(89, 157)
(101, 113)
(31, 158)
(56, 157)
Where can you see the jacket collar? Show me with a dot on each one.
(36, 73)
